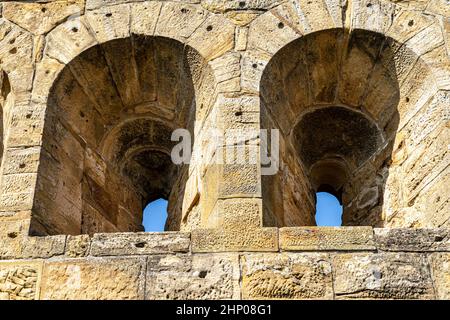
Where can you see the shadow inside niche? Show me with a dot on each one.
(334, 96)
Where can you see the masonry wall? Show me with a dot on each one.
(303, 263)
(250, 65)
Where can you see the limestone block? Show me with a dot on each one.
(286, 276)
(179, 21)
(309, 16)
(144, 16)
(221, 6)
(26, 126)
(213, 38)
(235, 213)
(382, 276)
(193, 277)
(20, 280)
(238, 239)
(138, 243)
(13, 224)
(439, 7)
(326, 238)
(21, 160)
(78, 246)
(16, 201)
(241, 38)
(40, 18)
(426, 40)
(226, 67)
(18, 183)
(438, 60)
(440, 271)
(253, 66)
(47, 71)
(110, 23)
(68, 40)
(409, 239)
(372, 15)
(269, 34)
(24, 247)
(94, 278)
(95, 4)
(407, 23)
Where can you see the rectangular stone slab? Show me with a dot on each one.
(114, 244)
(326, 238)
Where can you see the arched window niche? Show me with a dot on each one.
(106, 150)
(334, 96)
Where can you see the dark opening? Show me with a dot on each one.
(155, 215)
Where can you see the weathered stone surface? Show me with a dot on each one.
(39, 18)
(286, 276)
(440, 271)
(382, 275)
(139, 243)
(418, 240)
(326, 238)
(94, 278)
(211, 276)
(24, 247)
(78, 246)
(237, 239)
(20, 280)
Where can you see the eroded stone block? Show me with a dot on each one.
(286, 276)
(238, 239)
(193, 277)
(440, 270)
(20, 280)
(326, 238)
(94, 278)
(382, 276)
(410, 239)
(113, 244)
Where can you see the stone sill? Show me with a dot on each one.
(214, 240)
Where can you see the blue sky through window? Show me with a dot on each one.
(155, 215)
(328, 210)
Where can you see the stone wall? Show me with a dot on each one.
(302, 263)
(90, 91)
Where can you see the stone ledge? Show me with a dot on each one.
(412, 240)
(24, 247)
(327, 239)
(218, 240)
(139, 243)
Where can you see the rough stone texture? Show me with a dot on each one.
(139, 243)
(209, 276)
(23, 247)
(251, 239)
(326, 238)
(440, 271)
(93, 278)
(286, 276)
(382, 275)
(92, 90)
(78, 246)
(419, 240)
(20, 280)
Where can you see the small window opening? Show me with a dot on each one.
(155, 216)
(328, 210)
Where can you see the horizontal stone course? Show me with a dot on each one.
(115, 244)
(415, 240)
(23, 247)
(326, 238)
